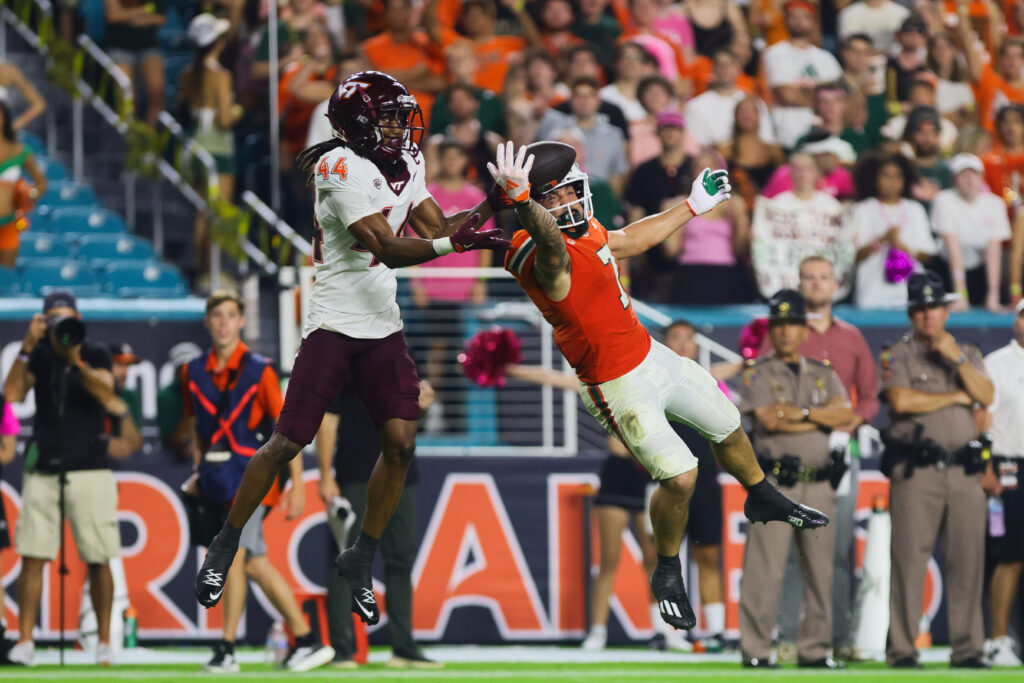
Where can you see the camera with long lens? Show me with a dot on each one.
(66, 330)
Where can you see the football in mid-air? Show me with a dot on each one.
(551, 161)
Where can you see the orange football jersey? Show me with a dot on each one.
(595, 325)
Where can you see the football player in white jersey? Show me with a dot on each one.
(369, 187)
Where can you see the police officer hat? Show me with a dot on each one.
(787, 306)
(925, 290)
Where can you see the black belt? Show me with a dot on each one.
(788, 470)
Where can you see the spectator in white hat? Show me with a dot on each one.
(972, 223)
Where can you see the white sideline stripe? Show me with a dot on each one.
(490, 654)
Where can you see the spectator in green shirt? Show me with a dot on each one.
(124, 420)
(599, 28)
(170, 411)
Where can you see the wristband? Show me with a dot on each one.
(443, 245)
(806, 412)
(23, 355)
(1015, 288)
(961, 360)
(962, 292)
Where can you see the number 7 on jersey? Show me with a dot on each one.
(605, 254)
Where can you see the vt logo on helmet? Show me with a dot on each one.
(366, 109)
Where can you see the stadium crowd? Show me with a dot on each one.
(832, 117)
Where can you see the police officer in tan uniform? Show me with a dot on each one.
(931, 382)
(794, 403)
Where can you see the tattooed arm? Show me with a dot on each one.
(552, 266)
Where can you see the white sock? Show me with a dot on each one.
(714, 615)
(599, 629)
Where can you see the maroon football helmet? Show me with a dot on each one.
(362, 101)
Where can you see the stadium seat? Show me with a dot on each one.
(41, 275)
(113, 246)
(8, 279)
(85, 220)
(39, 218)
(143, 279)
(68, 193)
(52, 169)
(44, 245)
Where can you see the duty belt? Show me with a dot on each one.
(788, 470)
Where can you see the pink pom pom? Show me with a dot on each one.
(752, 336)
(487, 353)
(899, 265)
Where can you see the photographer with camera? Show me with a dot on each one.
(74, 389)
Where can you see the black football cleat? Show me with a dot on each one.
(970, 663)
(905, 663)
(209, 584)
(765, 503)
(674, 606)
(360, 579)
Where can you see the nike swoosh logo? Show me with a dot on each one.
(369, 615)
(216, 595)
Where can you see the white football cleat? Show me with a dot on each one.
(1000, 652)
(23, 653)
(596, 639)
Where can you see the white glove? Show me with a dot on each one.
(512, 172)
(710, 189)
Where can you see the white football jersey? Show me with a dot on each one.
(354, 293)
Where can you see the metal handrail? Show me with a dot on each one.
(278, 224)
(706, 346)
(195, 150)
(115, 82)
(124, 98)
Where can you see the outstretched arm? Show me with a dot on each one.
(551, 266)
(710, 189)
(430, 222)
(374, 233)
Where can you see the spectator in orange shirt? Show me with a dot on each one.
(493, 52)
(997, 82)
(296, 99)
(556, 19)
(413, 55)
(1004, 174)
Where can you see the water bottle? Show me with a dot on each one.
(996, 521)
(131, 627)
(277, 643)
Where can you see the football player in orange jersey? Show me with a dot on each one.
(565, 260)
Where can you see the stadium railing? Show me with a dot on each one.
(516, 419)
(88, 74)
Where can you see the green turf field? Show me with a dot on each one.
(498, 672)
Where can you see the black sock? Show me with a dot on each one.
(761, 489)
(305, 641)
(229, 647)
(229, 532)
(365, 547)
(669, 562)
